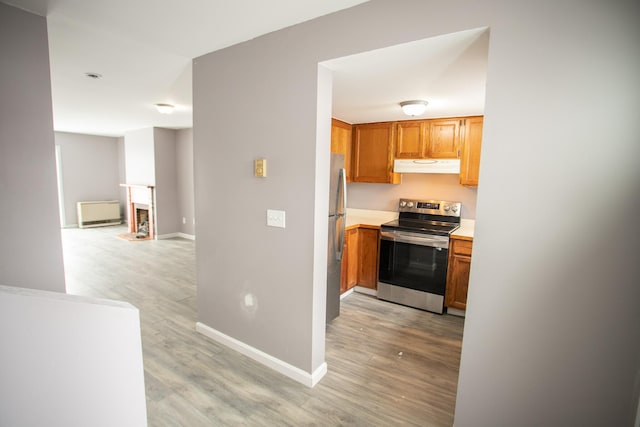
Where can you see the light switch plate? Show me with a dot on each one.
(275, 218)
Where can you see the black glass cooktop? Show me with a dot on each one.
(437, 228)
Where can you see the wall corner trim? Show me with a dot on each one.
(296, 374)
(174, 235)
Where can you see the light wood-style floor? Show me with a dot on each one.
(388, 364)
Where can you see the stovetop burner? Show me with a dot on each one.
(426, 227)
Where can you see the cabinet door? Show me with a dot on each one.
(351, 271)
(341, 140)
(458, 274)
(470, 153)
(368, 240)
(373, 153)
(411, 139)
(443, 139)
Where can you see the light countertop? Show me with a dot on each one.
(466, 230)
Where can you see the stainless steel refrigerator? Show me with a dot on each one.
(337, 217)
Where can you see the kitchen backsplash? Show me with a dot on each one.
(384, 197)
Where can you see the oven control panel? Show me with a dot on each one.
(432, 207)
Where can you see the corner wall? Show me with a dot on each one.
(552, 319)
(184, 172)
(30, 243)
(89, 170)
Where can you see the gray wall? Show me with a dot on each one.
(166, 181)
(384, 197)
(552, 318)
(89, 170)
(30, 246)
(164, 158)
(122, 178)
(184, 173)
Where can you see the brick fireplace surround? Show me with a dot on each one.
(140, 197)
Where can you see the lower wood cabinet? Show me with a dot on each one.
(360, 258)
(349, 266)
(458, 273)
(368, 248)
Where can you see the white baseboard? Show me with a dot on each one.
(367, 291)
(174, 235)
(346, 294)
(259, 356)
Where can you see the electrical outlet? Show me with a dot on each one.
(275, 218)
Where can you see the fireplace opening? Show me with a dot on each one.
(142, 222)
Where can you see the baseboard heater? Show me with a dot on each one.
(98, 214)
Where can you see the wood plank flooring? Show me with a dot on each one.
(388, 364)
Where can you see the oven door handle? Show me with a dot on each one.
(438, 242)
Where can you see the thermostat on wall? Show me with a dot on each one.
(260, 168)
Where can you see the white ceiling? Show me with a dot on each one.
(449, 72)
(143, 50)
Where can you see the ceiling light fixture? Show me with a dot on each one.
(165, 108)
(414, 108)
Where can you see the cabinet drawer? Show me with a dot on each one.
(461, 247)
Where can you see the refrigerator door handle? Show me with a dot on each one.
(341, 214)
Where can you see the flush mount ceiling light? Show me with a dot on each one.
(165, 108)
(413, 108)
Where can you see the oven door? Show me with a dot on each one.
(414, 261)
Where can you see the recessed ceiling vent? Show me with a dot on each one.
(95, 76)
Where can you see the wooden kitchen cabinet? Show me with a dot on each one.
(458, 273)
(349, 266)
(412, 138)
(368, 249)
(341, 142)
(360, 260)
(470, 151)
(373, 153)
(444, 138)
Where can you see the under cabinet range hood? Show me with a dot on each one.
(427, 166)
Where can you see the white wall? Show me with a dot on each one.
(551, 333)
(30, 244)
(384, 197)
(89, 170)
(140, 157)
(184, 173)
(69, 361)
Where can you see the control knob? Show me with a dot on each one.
(446, 208)
(454, 208)
(403, 204)
(410, 204)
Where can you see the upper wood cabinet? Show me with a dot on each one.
(373, 153)
(458, 273)
(412, 138)
(341, 141)
(470, 152)
(444, 137)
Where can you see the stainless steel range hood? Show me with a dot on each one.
(427, 166)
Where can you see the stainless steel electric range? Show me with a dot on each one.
(414, 253)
